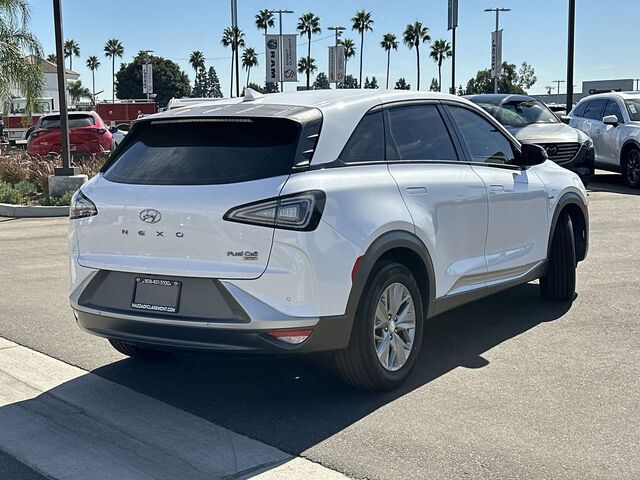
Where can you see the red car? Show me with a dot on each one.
(87, 134)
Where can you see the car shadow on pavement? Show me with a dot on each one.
(294, 403)
(612, 183)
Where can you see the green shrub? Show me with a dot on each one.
(22, 193)
(63, 201)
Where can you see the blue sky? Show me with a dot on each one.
(607, 35)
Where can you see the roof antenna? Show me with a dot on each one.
(250, 95)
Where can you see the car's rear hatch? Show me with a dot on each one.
(162, 197)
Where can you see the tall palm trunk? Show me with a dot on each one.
(308, 59)
(93, 83)
(418, 63)
(361, 52)
(233, 56)
(113, 78)
(440, 75)
(248, 73)
(388, 62)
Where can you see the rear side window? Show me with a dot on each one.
(366, 143)
(417, 132)
(75, 121)
(579, 111)
(210, 152)
(485, 142)
(595, 109)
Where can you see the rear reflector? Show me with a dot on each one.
(356, 267)
(291, 336)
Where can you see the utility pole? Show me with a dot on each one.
(65, 152)
(452, 24)
(338, 31)
(498, 67)
(280, 59)
(570, 53)
(559, 82)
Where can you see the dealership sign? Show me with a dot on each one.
(277, 52)
(453, 14)
(496, 54)
(336, 64)
(147, 78)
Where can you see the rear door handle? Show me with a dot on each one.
(496, 188)
(416, 190)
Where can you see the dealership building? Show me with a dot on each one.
(591, 87)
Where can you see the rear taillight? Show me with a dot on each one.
(300, 211)
(81, 206)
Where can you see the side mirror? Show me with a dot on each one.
(531, 155)
(610, 120)
(565, 119)
(123, 127)
(113, 129)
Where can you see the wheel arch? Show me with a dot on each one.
(578, 212)
(402, 247)
(626, 146)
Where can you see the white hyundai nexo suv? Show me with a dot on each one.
(335, 220)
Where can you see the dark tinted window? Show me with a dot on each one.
(417, 132)
(595, 109)
(612, 108)
(367, 140)
(485, 142)
(206, 153)
(75, 121)
(579, 111)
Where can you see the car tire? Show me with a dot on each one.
(631, 168)
(559, 284)
(135, 351)
(359, 364)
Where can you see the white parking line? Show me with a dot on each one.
(69, 424)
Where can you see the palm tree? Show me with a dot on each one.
(92, 64)
(362, 22)
(233, 37)
(17, 45)
(52, 58)
(71, 49)
(440, 50)
(77, 91)
(196, 59)
(264, 20)
(308, 24)
(307, 65)
(349, 51)
(249, 59)
(389, 42)
(113, 48)
(414, 35)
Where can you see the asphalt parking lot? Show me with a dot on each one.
(509, 387)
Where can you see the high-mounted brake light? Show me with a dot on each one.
(81, 206)
(300, 211)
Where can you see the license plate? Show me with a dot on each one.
(156, 295)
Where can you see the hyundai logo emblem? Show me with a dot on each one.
(150, 215)
(552, 149)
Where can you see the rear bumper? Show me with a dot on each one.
(329, 333)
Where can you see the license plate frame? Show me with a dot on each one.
(159, 295)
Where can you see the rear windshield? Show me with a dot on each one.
(214, 151)
(75, 121)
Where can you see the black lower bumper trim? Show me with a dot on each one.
(331, 333)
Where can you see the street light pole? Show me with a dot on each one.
(559, 82)
(146, 79)
(65, 152)
(338, 31)
(234, 27)
(280, 58)
(570, 53)
(498, 67)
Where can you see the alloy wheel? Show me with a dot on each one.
(394, 327)
(633, 167)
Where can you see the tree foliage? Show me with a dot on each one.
(435, 86)
(370, 84)
(526, 76)
(113, 49)
(18, 49)
(77, 91)
(71, 49)
(402, 84)
(168, 79)
(509, 82)
(414, 35)
(361, 23)
(350, 82)
(321, 82)
(308, 25)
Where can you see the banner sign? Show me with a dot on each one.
(289, 58)
(453, 14)
(496, 54)
(336, 64)
(272, 46)
(147, 78)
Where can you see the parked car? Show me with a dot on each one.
(331, 220)
(118, 133)
(87, 135)
(531, 121)
(612, 120)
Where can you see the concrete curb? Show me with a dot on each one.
(19, 211)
